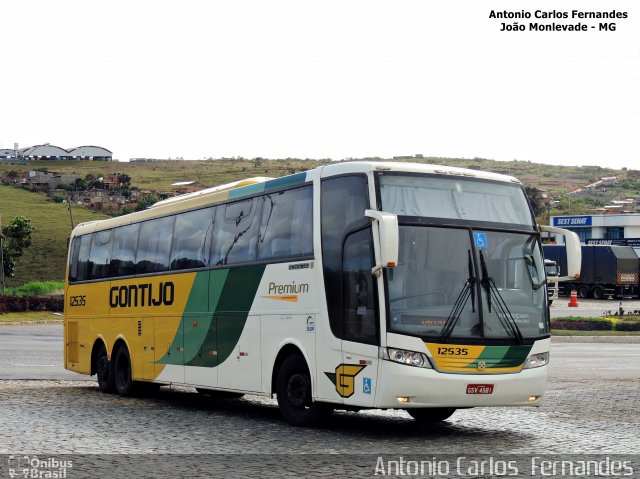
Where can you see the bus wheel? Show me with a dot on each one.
(583, 291)
(597, 292)
(430, 415)
(104, 371)
(219, 394)
(123, 377)
(293, 389)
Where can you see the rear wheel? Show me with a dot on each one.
(431, 415)
(104, 371)
(123, 377)
(293, 389)
(583, 291)
(597, 292)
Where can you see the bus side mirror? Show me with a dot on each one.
(574, 251)
(385, 241)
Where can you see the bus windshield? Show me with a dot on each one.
(459, 280)
(455, 198)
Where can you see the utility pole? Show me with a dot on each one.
(69, 197)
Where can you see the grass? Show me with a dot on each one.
(29, 316)
(45, 259)
(36, 288)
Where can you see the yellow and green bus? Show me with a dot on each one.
(352, 285)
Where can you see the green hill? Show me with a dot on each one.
(45, 259)
(159, 176)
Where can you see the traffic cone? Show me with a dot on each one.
(573, 299)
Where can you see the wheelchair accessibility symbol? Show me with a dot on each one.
(366, 385)
(480, 239)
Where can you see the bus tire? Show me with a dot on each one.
(219, 395)
(124, 382)
(431, 415)
(583, 291)
(105, 371)
(293, 390)
(597, 292)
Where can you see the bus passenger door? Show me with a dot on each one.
(358, 377)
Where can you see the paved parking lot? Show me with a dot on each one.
(591, 407)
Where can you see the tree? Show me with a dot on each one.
(125, 179)
(536, 199)
(17, 238)
(145, 202)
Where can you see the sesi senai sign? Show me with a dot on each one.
(572, 221)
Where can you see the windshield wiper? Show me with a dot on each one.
(504, 315)
(468, 291)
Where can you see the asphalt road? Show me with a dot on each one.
(35, 352)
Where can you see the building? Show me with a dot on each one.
(610, 229)
(95, 153)
(52, 152)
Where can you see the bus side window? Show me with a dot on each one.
(123, 256)
(343, 202)
(189, 239)
(359, 315)
(286, 225)
(236, 230)
(100, 255)
(83, 258)
(154, 245)
(73, 264)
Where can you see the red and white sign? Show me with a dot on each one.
(479, 388)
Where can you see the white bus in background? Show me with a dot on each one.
(352, 285)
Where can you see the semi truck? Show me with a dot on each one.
(552, 272)
(606, 271)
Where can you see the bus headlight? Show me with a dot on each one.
(537, 360)
(402, 356)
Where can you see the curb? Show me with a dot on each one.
(26, 323)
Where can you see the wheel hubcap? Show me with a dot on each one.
(297, 390)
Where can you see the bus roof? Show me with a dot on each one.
(251, 186)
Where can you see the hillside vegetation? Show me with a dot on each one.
(45, 260)
(159, 176)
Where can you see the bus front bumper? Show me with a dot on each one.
(403, 387)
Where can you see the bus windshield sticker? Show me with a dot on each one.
(480, 240)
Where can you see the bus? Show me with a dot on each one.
(349, 286)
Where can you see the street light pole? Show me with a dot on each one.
(97, 180)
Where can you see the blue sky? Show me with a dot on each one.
(316, 79)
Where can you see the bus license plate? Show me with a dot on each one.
(479, 388)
